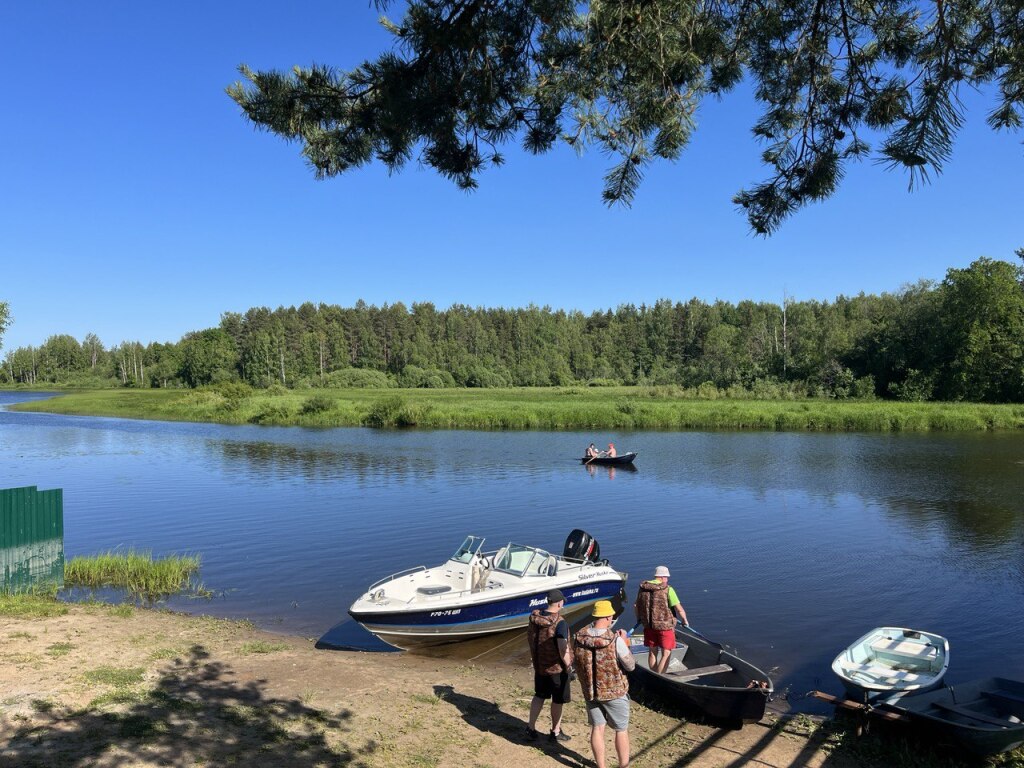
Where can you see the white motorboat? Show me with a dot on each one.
(477, 592)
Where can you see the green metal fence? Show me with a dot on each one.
(31, 538)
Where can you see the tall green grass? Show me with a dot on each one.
(34, 604)
(136, 572)
(552, 408)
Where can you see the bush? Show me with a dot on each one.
(232, 390)
(414, 377)
(916, 388)
(317, 404)
(604, 383)
(864, 388)
(393, 411)
(708, 391)
(272, 413)
(358, 378)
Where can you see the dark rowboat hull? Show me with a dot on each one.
(719, 688)
(977, 715)
(610, 461)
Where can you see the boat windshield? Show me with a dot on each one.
(471, 546)
(519, 560)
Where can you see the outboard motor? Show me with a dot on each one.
(580, 545)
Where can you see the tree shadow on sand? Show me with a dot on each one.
(196, 714)
(487, 716)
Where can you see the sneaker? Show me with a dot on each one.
(532, 734)
(560, 736)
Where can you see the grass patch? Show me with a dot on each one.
(119, 677)
(165, 654)
(31, 605)
(421, 698)
(540, 408)
(262, 646)
(21, 636)
(42, 706)
(59, 649)
(118, 696)
(135, 571)
(122, 610)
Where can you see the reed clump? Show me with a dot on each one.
(134, 571)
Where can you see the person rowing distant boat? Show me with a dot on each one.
(610, 453)
(592, 451)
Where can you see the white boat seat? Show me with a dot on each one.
(907, 648)
(692, 674)
(882, 674)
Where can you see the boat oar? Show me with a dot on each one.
(701, 635)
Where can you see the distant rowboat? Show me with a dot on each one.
(626, 458)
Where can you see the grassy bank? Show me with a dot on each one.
(570, 408)
(136, 572)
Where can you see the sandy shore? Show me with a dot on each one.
(109, 686)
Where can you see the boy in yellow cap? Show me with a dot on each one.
(602, 659)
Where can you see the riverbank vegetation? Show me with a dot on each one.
(138, 573)
(960, 340)
(551, 408)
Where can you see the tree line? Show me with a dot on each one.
(960, 339)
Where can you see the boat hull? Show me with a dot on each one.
(892, 660)
(610, 461)
(448, 623)
(969, 713)
(722, 697)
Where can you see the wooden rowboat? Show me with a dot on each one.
(703, 676)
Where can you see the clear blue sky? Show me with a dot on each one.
(138, 204)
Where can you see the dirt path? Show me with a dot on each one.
(110, 686)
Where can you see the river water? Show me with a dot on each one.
(785, 546)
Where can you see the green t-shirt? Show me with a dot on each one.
(673, 599)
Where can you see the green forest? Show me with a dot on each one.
(961, 339)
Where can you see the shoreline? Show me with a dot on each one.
(546, 409)
(117, 685)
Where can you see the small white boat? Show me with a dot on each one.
(892, 660)
(476, 592)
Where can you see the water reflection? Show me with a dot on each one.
(609, 472)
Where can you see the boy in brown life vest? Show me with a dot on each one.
(654, 607)
(602, 658)
(548, 636)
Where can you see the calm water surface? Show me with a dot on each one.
(785, 546)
